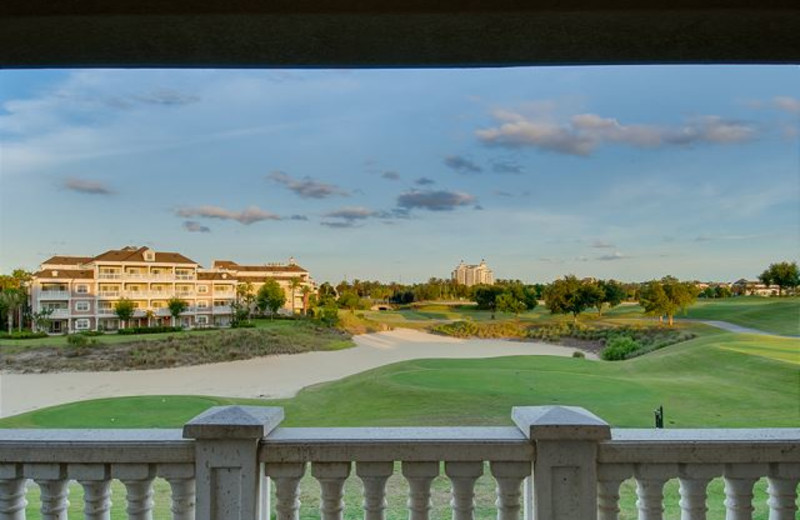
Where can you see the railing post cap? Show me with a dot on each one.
(560, 423)
(234, 422)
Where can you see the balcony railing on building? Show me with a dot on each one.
(557, 463)
(54, 295)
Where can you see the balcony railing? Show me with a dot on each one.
(53, 295)
(59, 313)
(557, 463)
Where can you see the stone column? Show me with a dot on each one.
(227, 472)
(565, 469)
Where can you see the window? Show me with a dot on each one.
(82, 306)
(202, 289)
(202, 304)
(82, 324)
(202, 320)
(82, 289)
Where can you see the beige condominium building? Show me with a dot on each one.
(473, 274)
(295, 281)
(81, 292)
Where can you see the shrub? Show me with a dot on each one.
(620, 347)
(240, 325)
(22, 334)
(578, 354)
(90, 333)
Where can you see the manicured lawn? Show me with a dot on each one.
(776, 315)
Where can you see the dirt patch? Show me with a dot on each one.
(174, 351)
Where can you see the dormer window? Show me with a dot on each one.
(149, 255)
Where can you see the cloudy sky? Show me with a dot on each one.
(624, 172)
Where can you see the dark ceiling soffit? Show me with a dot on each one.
(503, 35)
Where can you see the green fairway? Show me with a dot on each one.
(776, 315)
(721, 379)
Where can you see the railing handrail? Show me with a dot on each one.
(720, 446)
(406, 444)
(92, 446)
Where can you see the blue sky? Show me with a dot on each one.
(624, 172)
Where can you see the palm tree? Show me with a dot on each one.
(294, 284)
(305, 292)
(11, 300)
(176, 307)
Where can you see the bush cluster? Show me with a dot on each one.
(23, 334)
(489, 330)
(147, 330)
(619, 348)
(242, 325)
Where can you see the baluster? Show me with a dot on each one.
(138, 482)
(739, 480)
(96, 482)
(462, 477)
(53, 483)
(12, 492)
(650, 479)
(783, 480)
(182, 489)
(694, 479)
(286, 477)
(331, 477)
(509, 477)
(419, 476)
(374, 476)
(609, 478)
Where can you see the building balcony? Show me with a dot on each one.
(106, 311)
(556, 463)
(109, 294)
(221, 309)
(109, 276)
(54, 295)
(59, 314)
(185, 277)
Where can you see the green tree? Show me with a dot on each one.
(294, 284)
(270, 296)
(12, 300)
(245, 297)
(486, 296)
(667, 297)
(783, 274)
(41, 320)
(124, 309)
(507, 302)
(176, 307)
(592, 295)
(613, 294)
(568, 296)
(349, 300)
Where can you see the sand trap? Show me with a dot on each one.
(272, 376)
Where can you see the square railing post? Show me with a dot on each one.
(565, 469)
(227, 471)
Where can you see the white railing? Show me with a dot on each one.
(557, 463)
(108, 294)
(54, 295)
(109, 276)
(59, 313)
(221, 309)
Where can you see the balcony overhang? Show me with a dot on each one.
(394, 33)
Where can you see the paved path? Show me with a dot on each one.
(732, 327)
(272, 376)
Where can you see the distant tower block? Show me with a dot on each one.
(470, 275)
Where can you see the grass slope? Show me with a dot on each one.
(776, 315)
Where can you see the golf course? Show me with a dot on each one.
(716, 379)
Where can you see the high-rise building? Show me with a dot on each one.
(470, 275)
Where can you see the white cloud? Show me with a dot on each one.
(586, 132)
(247, 216)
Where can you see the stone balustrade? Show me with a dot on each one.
(556, 463)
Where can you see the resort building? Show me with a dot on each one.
(81, 292)
(295, 281)
(470, 275)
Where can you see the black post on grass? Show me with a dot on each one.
(659, 413)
